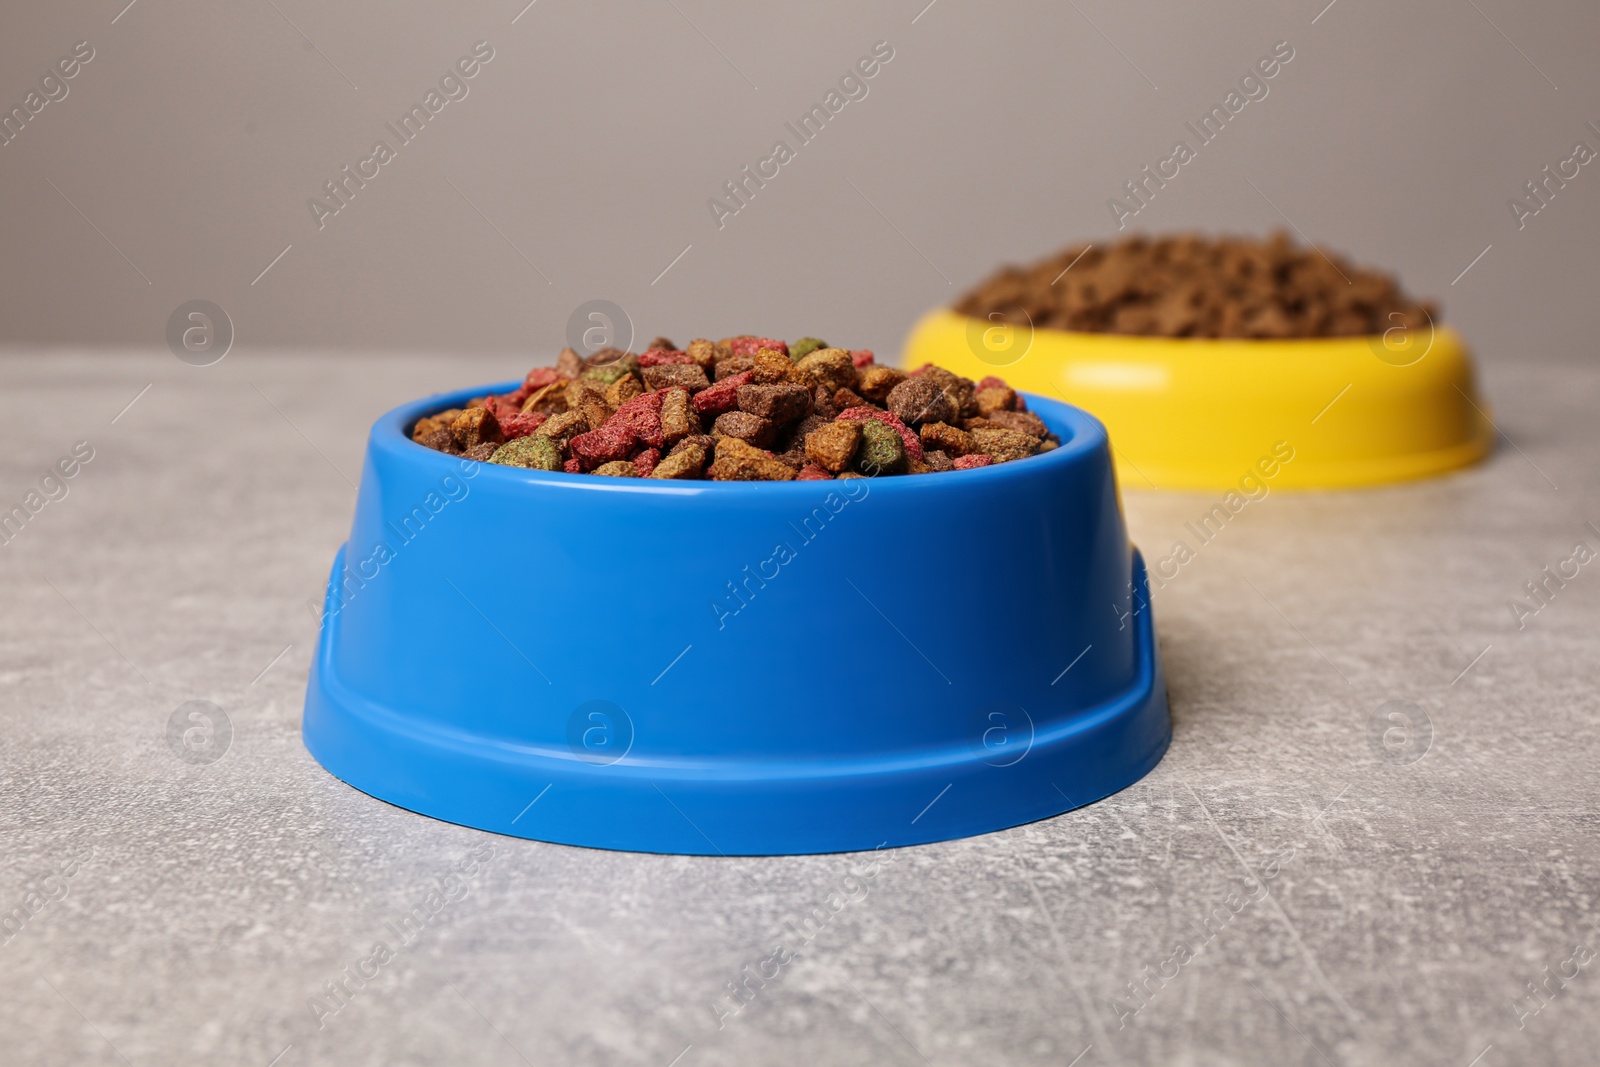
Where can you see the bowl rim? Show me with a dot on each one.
(1082, 435)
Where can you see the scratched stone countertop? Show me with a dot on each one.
(1431, 869)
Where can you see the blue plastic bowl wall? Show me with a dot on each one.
(737, 668)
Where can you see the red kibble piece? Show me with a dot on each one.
(918, 372)
(861, 357)
(724, 396)
(658, 356)
(610, 442)
(645, 460)
(967, 463)
(813, 473)
(572, 466)
(913, 442)
(640, 418)
(538, 378)
(991, 382)
(749, 346)
(517, 425)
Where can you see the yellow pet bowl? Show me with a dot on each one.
(1319, 413)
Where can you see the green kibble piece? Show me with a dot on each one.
(535, 453)
(608, 375)
(805, 346)
(882, 451)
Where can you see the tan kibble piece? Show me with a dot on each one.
(623, 390)
(770, 367)
(617, 468)
(595, 413)
(476, 426)
(876, 382)
(582, 391)
(1004, 446)
(829, 367)
(548, 399)
(562, 427)
(833, 446)
(426, 427)
(951, 440)
(739, 462)
(707, 353)
(678, 418)
(685, 464)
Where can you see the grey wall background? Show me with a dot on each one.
(585, 152)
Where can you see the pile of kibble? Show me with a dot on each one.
(1193, 286)
(741, 409)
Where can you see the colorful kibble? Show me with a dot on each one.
(745, 408)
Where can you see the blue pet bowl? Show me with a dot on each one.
(737, 668)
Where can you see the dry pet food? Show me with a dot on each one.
(741, 409)
(1193, 286)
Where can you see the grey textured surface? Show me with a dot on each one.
(1413, 901)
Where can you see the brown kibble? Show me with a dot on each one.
(822, 403)
(703, 441)
(937, 461)
(617, 468)
(676, 376)
(737, 461)
(481, 451)
(570, 364)
(877, 381)
(995, 398)
(441, 441)
(727, 368)
(919, 400)
(844, 399)
(746, 427)
(960, 390)
(678, 417)
(623, 390)
(1024, 421)
(943, 437)
(579, 392)
(595, 413)
(685, 464)
(833, 446)
(780, 403)
(476, 426)
(1004, 446)
(830, 367)
(1190, 286)
(662, 344)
